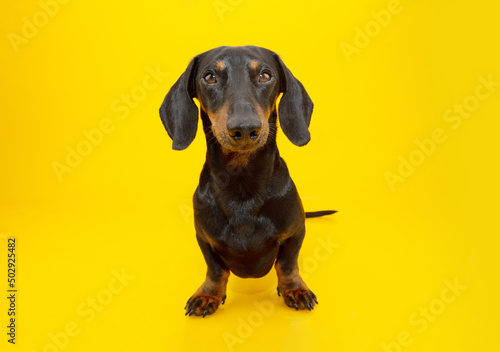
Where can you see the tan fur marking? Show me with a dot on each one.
(236, 161)
(291, 280)
(219, 123)
(215, 288)
(220, 65)
(264, 120)
(254, 65)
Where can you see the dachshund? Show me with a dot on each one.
(248, 214)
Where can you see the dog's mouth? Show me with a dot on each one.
(238, 156)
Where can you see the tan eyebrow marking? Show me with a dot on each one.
(254, 64)
(220, 65)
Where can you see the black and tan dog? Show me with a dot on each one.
(248, 214)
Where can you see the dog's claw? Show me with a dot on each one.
(314, 298)
(224, 299)
(191, 309)
(279, 292)
(187, 303)
(305, 302)
(310, 299)
(293, 303)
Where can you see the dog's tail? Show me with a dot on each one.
(315, 214)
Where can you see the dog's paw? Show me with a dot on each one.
(298, 298)
(201, 304)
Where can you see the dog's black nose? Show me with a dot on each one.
(242, 131)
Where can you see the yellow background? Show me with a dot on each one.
(126, 205)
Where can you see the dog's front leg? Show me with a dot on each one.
(212, 292)
(290, 284)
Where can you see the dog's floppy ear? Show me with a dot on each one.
(178, 111)
(295, 108)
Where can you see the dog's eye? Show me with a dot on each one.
(265, 76)
(210, 78)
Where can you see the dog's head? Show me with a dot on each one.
(237, 88)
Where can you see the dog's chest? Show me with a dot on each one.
(248, 249)
(245, 235)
